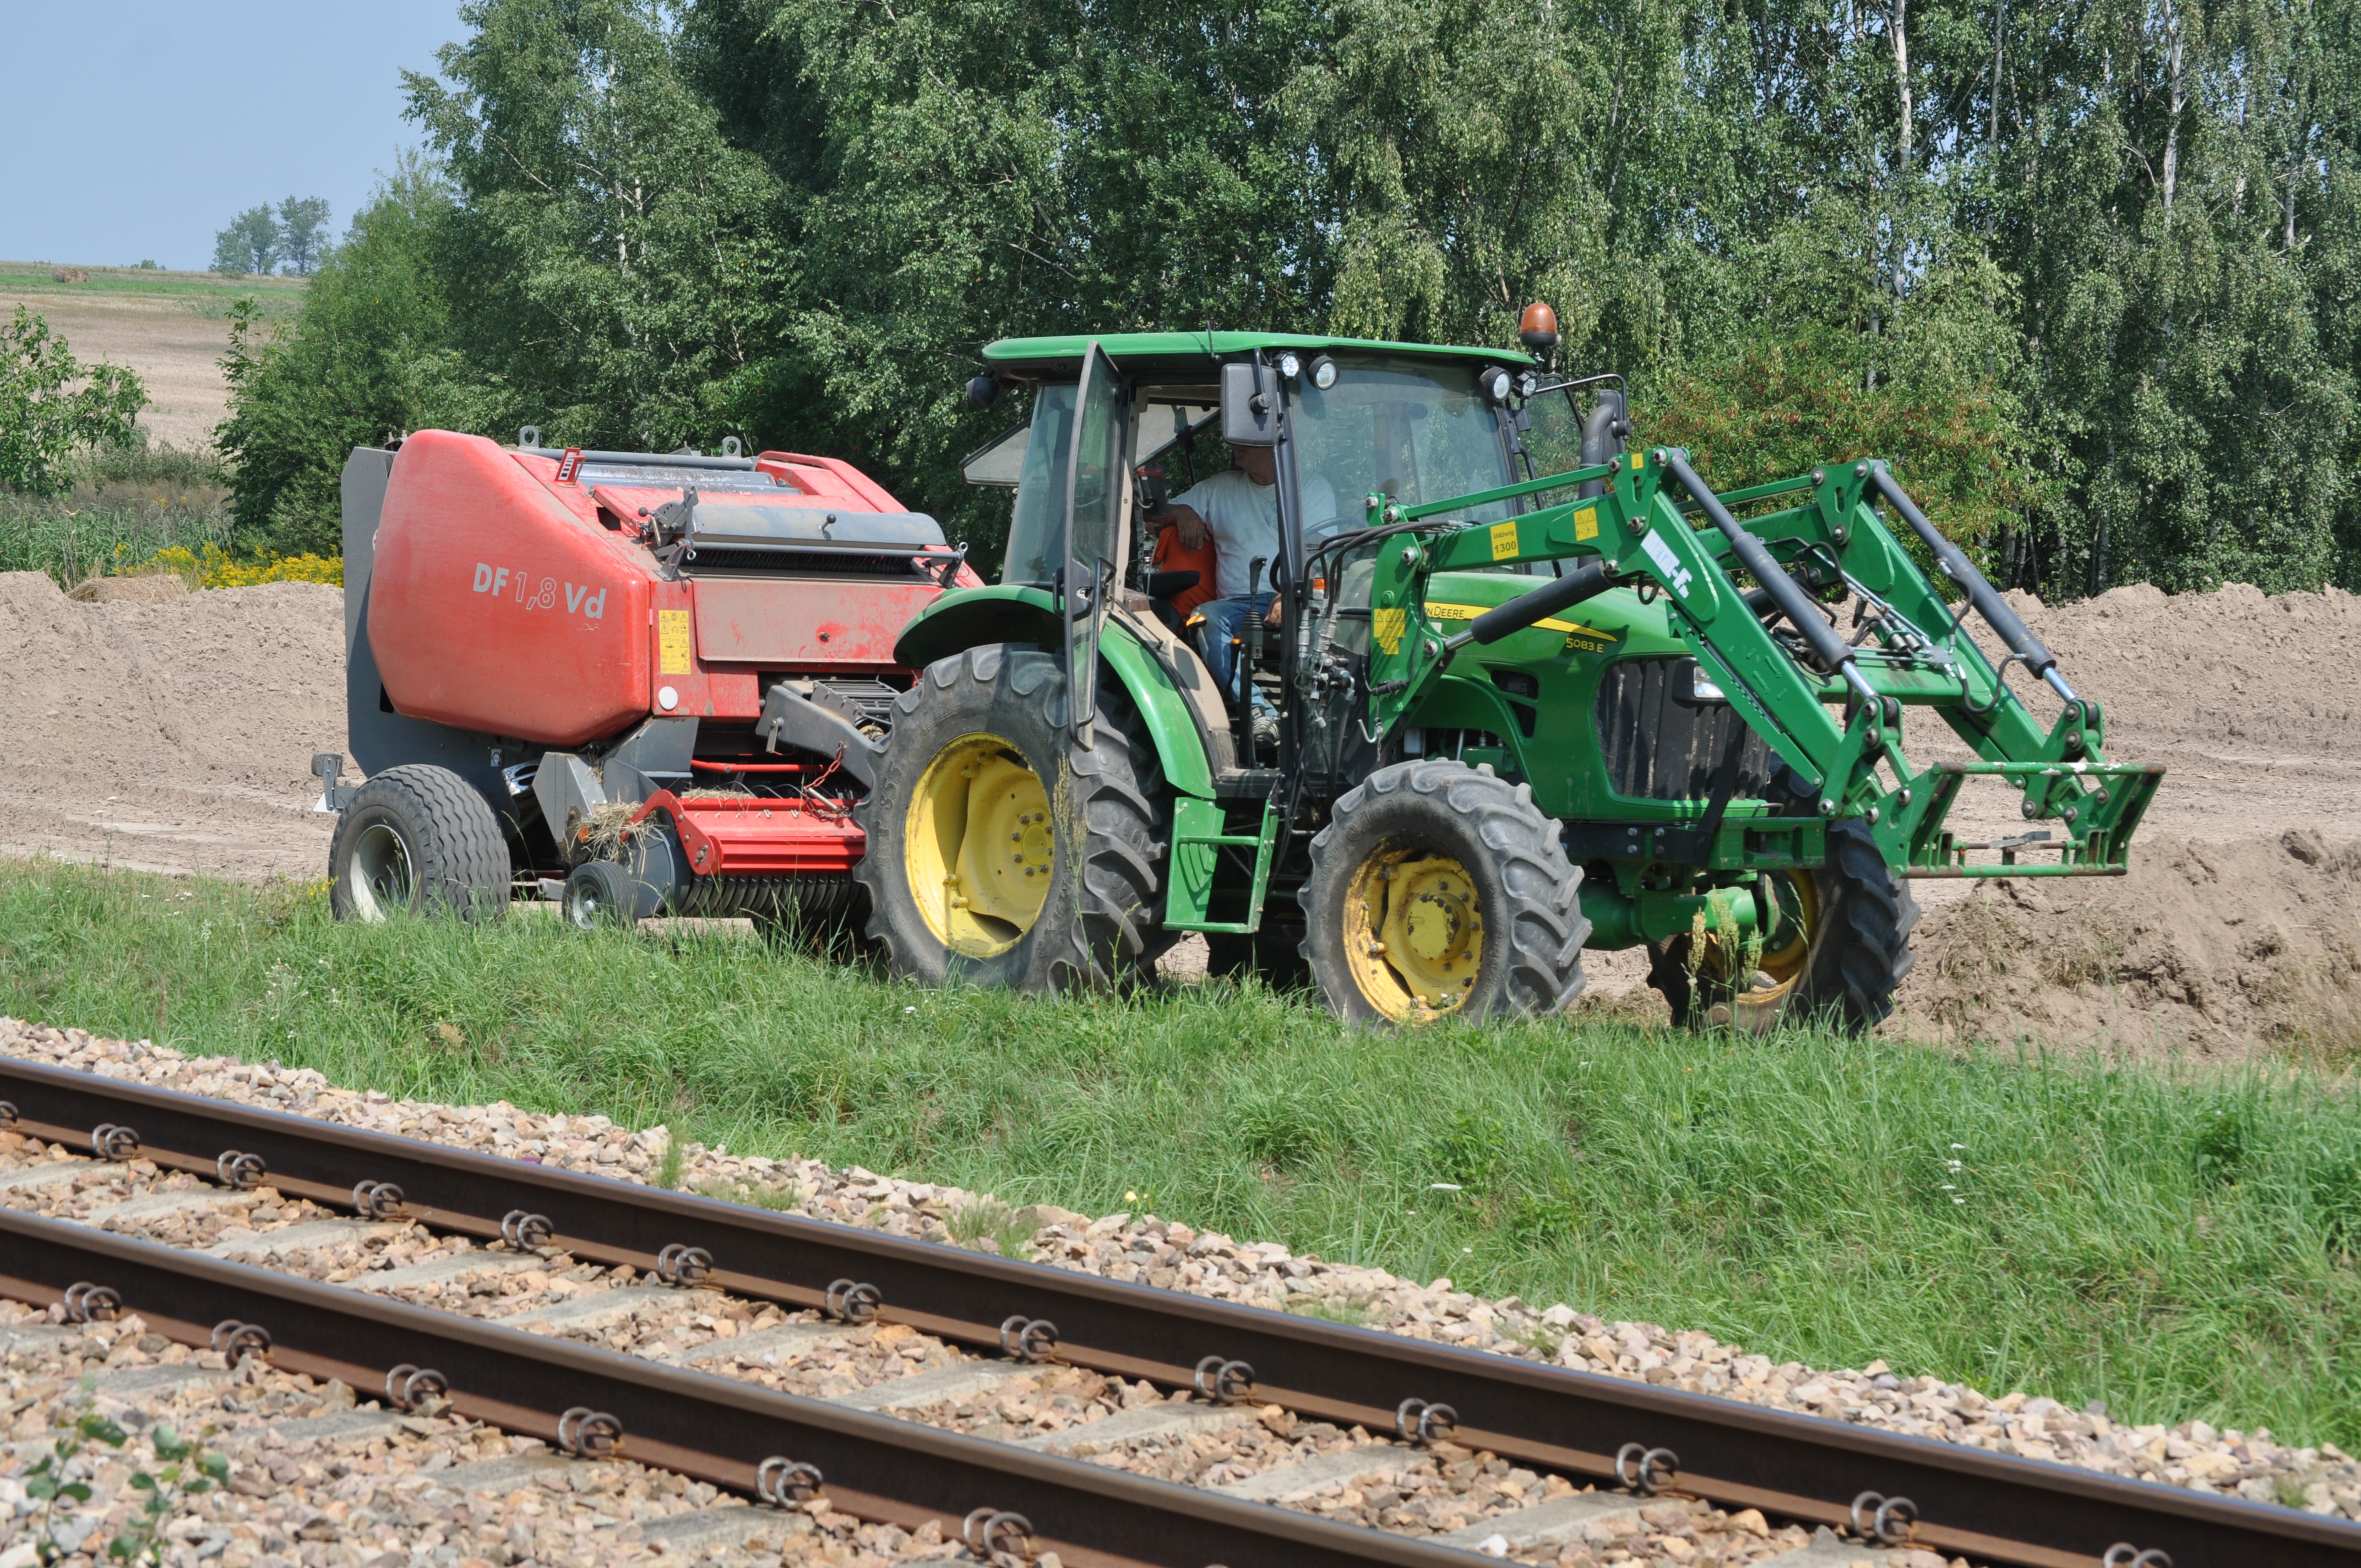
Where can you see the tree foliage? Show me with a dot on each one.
(367, 359)
(2090, 273)
(250, 243)
(303, 233)
(51, 403)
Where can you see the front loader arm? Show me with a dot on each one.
(1914, 650)
(1634, 528)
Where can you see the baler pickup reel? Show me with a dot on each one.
(1828, 706)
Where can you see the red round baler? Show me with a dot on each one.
(639, 682)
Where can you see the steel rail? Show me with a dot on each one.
(712, 1429)
(1970, 1502)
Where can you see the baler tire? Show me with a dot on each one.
(1858, 953)
(1106, 810)
(601, 893)
(1527, 893)
(418, 839)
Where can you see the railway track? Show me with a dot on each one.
(1643, 1448)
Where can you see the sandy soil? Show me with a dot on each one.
(175, 737)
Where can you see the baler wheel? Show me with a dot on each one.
(999, 850)
(416, 838)
(1838, 949)
(1439, 890)
(602, 892)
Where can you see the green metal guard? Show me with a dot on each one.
(1197, 841)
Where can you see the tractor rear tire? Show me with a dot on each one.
(1844, 968)
(418, 839)
(1438, 889)
(1002, 853)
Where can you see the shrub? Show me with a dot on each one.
(41, 422)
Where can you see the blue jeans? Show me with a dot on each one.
(1223, 619)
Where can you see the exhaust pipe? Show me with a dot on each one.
(1604, 432)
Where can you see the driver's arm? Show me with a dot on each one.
(1190, 525)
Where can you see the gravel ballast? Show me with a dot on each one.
(1436, 1492)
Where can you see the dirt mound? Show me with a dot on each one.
(2251, 700)
(171, 736)
(2204, 950)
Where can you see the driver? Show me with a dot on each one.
(1238, 509)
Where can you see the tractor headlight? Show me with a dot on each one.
(1493, 382)
(1289, 364)
(1323, 372)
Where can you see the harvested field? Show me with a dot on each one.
(175, 736)
(170, 327)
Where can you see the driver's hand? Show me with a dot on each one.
(1271, 616)
(1192, 527)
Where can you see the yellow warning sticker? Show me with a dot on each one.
(1636, 461)
(1387, 626)
(1504, 540)
(672, 642)
(1586, 524)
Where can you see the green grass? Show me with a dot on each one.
(2182, 1245)
(127, 503)
(207, 294)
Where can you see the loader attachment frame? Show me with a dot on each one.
(1829, 708)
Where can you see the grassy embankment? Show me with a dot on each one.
(2178, 1246)
(126, 505)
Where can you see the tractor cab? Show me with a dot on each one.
(1120, 431)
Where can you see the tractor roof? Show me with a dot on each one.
(1182, 350)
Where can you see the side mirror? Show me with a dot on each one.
(1249, 406)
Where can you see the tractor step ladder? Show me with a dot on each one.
(1197, 841)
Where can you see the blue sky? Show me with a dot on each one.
(135, 128)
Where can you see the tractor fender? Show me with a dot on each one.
(1169, 723)
(1009, 613)
(1459, 703)
(971, 618)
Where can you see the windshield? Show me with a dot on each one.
(1037, 548)
(1413, 428)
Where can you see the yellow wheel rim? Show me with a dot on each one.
(1413, 933)
(1795, 910)
(977, 849)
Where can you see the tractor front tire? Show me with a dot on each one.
(1842, 965)
(418, 839)
(1001, 851)
(1438, 889)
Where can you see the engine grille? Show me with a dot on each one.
(1659, 749)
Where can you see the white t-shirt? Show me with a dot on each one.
(1243, 518)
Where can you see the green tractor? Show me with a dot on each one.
(1527, 691)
